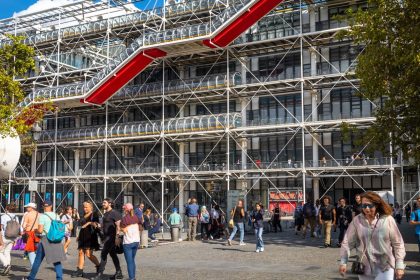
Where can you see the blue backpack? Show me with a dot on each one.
(57, 231)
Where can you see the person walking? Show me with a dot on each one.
(238, 215)
(344, 218)
(87, 238)
(10, 231)
(257, 218)
(29, 226)
(398, 213)
(318, 225)
(130, 226)
(309, 216)
(277, 219)
(407, 212)
(53, 252)
(298, 216)
(110, 227)
(67, 219)
(204, 217)
(191, 210)
(415, 220)
(377, 240)
(215, 222)
(75, 217)
(357, 207)
(327, 218)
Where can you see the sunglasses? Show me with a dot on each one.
(366, 205)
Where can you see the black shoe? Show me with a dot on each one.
(117, 275)
(327, 245)
(78, 273)
(338, 245)
(98, 276)
(97, 268)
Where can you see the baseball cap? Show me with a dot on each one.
(47, 203)
(128, 206)
(174, 210)
(30, 204)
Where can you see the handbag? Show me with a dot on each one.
(357, 266)
(231, 222)
(25, 235)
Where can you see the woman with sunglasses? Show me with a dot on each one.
(377, 240)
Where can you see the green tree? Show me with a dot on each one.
(16, 59)
(388, 68)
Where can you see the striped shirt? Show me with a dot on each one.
(386, 248)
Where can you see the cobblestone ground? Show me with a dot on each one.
(286, 256)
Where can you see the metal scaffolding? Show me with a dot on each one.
(81, 46)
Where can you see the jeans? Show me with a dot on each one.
(130, 251)
(258, 235)
(379, 274)
(237, 226)
(5, 252)
(418, 240)
(109, 248)
(343, 229)
(31, 256)
(277, 223)
(151, 232)
(40, 254)
(204, 228)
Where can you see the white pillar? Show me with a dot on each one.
(181, 186)
(315, 187)
(398, 188)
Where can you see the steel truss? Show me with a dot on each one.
(169, 136)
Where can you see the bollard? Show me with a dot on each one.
(144, 239)
(174, 234)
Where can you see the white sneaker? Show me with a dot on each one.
(262, 249)
(229, 242)
(257, 251)
(242, 244)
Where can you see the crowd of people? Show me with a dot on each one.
(369, 226)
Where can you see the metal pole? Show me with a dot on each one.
(162, 148)
(302, 106)
(106, 152)
(392, 165)
(228, 123)
(10, 189)
(55, 161)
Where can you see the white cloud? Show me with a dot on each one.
(44, 5)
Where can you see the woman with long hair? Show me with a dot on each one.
(67, 219)
(238, 215)
(87, 238)
(257, 219)
(377, 240)
(130, 226)
(204, 217)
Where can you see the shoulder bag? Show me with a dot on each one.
(231, 221)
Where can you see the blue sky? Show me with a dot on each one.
(8, 7)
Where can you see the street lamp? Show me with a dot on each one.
(36, 132)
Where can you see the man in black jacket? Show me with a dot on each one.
(345, 215)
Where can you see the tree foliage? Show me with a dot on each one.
(389, 68)
(16, 59)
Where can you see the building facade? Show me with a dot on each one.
(260, 119)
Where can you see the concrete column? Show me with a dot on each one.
(181, 156)
(312, 18)
(398, 188)
(181, 186)
(245, 65)
(315, 188)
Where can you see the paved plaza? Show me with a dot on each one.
(286, 256)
